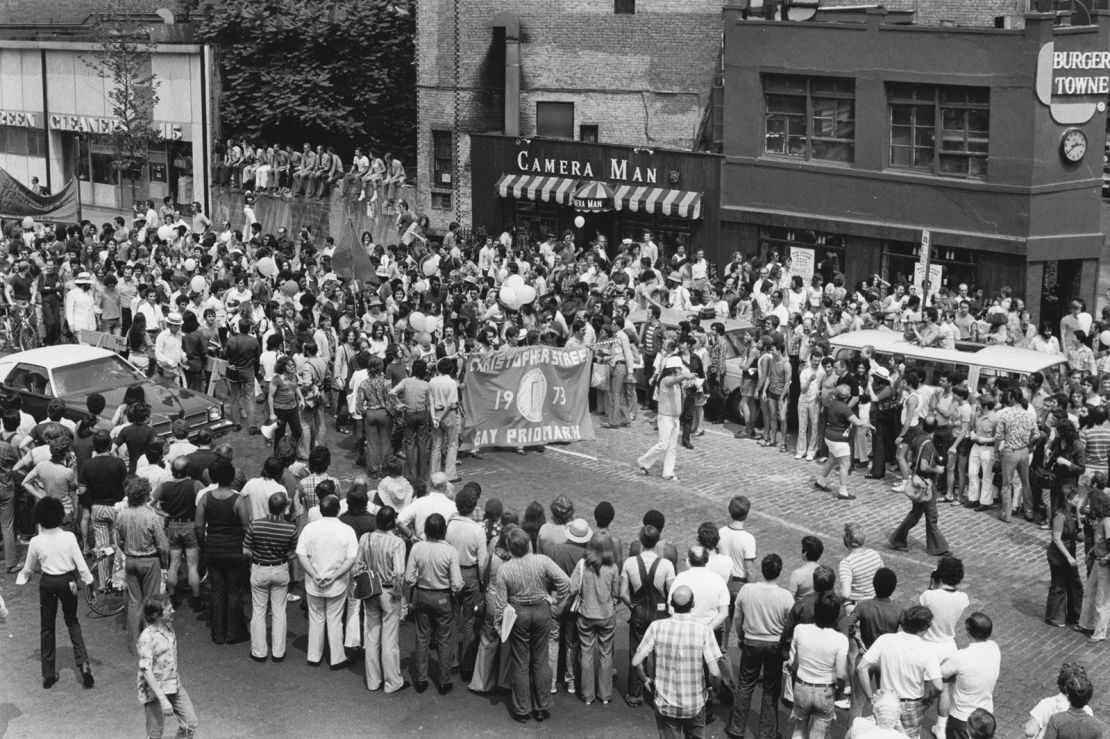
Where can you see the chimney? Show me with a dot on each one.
(511, 24)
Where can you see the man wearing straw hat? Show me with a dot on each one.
(168, 351)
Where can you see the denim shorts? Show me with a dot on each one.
(181, 535)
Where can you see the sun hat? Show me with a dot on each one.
(579, 531)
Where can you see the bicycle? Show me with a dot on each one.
(106, 597)
(15, 330)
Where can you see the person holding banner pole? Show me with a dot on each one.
(670, 410)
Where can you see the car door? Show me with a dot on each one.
(32, 383)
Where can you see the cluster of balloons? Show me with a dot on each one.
(515, 293)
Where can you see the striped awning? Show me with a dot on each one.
(681, 203)
(593, 197)
(536, 187)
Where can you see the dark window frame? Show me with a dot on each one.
(443, 158)
(624, 7)
(797, 118)
(589, 132)
(968, 107)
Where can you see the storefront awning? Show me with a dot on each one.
(536, 187)
(680, 203)
(593, 197)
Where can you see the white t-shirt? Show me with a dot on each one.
(947, 607)
(720, 565)
(1049, 707)
(738, 544)
(819, 652)
(710, 593)
(906, 662)
(326, 543)
(976, 668)
(257, 491)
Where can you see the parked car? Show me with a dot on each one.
(73, 371)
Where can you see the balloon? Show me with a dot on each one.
(579, 221)
(198, 284)
(514, 281)
(28, 223)
(416, 320)
(508, 297)
(420, 286)
(431, 266)
(267, 267)
(190, 264)
(166, 233)
(290, 288)
(1104, 337)
(525, 294)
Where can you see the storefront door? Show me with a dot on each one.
(1059, 285)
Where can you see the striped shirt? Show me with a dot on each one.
(857, 571)
(270, 540)
(1097, 439)
(382, 552)
(141, 532)
(530, 579)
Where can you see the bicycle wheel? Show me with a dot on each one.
(28, 337)
(105, 597)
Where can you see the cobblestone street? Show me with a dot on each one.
(1006, 578)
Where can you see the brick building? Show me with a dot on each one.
(616, 72)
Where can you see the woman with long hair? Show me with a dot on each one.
(343, 367)
(138, 345)
(534, 519)
(1094, 616)
(596, 584)
(1065, 589)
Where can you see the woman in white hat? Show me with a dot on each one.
(81, 309)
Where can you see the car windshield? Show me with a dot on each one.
(95, 374)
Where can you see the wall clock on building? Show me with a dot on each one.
(1073, 145)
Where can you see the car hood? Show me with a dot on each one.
(166, 404)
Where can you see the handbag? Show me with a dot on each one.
(367, 585)
(920, 488)
(599, 375)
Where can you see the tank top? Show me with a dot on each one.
(285, 393)
(776, 376)
(223, 530)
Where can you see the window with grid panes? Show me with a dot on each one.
(443, 158)
(811, 118)
(943, 130)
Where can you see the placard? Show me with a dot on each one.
(801, 262)
(103, 340)
(217, 378)
(936, 273)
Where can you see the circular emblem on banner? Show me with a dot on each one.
(530, 395)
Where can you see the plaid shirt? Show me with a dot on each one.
(680, 645)
(307, 488)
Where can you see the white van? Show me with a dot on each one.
(978, 365)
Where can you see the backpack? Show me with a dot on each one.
(648, 604)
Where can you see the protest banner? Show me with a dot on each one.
(936, 273)
(527, 396)
(102, 340)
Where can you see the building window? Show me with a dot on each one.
(443, 158)
(900, 259)
(555, 120)
(588, 133)
(810, 117)
(624, 7)
(19, 141)
(943, 130)
(441, 200)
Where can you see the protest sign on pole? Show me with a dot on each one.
(527, 396)
(801, 262)
(936, 272)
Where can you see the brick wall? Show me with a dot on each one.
(42, 12)
(643, 79)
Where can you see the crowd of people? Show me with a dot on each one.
(381, 355)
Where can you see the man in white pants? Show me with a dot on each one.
(327, 550)
(670, 409)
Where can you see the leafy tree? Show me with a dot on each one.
(123, 59)
(337, 72)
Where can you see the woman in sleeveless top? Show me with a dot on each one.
(222, 517)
